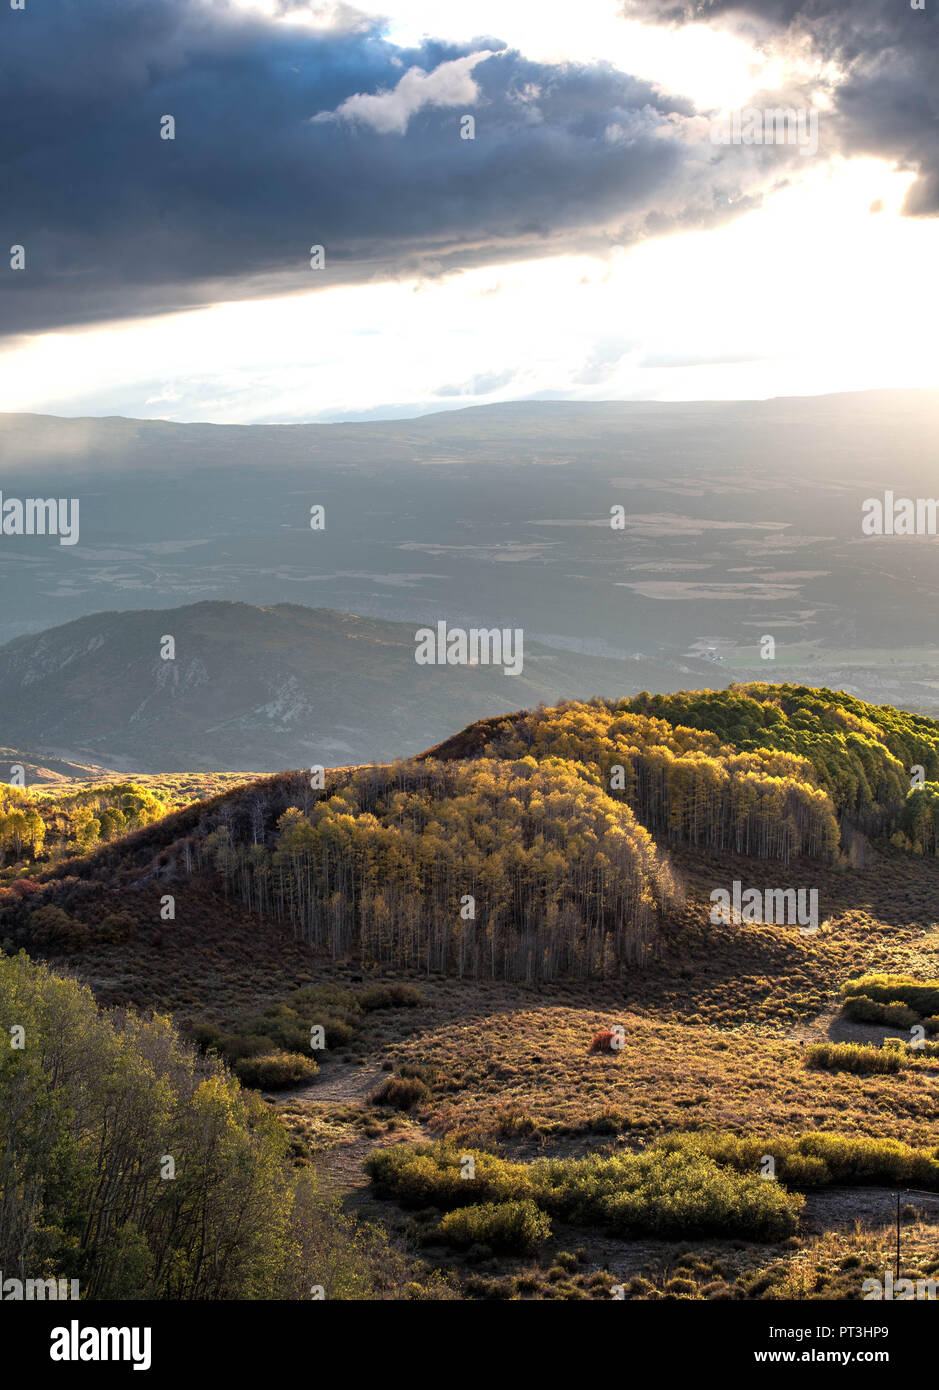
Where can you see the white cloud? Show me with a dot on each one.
(388, 112)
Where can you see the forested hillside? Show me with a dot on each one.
(767, 770)
(520, 849)
(510, 869)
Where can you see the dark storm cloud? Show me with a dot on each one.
(886, 97)
(116, 221)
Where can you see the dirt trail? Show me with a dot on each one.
(339, 1087)
(833, 1026)
(341, 1168)
(338, 1084)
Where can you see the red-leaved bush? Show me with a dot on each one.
(25, 887)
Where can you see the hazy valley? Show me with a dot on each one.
(741, 520)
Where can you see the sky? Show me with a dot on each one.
(591, 241)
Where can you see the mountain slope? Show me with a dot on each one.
(51, 770)
(264, 688)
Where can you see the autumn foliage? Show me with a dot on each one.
(511, 870)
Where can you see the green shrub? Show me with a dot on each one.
(665, 1193)
(206, 1036)
(442, 1175)
(285, 1026)
(400, 1092)
(333, 998)
(894, 1013)
(52, 929)
(805, 1170)
(335, 1010)
(856, 1057)
(235, 1046)
(684, 1185)
(658, 1192)
(273, 1071)
(116, 927)
(862, 1009)
(921, 995)
(820, 1159)
(899, 1015)
(512, 1227)
(337, 1032)
(390, 997)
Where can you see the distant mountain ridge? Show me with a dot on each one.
(254, 688)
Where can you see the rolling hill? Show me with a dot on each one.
(49, 770)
